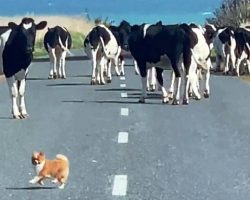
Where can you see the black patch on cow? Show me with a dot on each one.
(93, 38)
(225, 35)
(18, 50)
(209, 34)
(192, 25)
(121, 34)
(51, 37)
(242, 37)
(159, 40)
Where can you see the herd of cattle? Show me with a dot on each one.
(154, 47)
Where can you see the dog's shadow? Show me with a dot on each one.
(31, 188)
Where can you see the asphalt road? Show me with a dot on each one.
(195, 152)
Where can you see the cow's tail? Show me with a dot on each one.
(65, 48)
(200, 61)
(103, 46)
(248, 50)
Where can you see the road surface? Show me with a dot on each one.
(195, 152)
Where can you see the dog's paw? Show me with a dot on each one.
(41, 182)
(61, 186)
(54, 181)
(32, 181)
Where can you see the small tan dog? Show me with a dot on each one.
(57, 169)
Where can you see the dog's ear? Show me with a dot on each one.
(41, 153)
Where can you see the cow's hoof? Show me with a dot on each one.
(55, 76)
(197, 98)
(170, 95)
(63, 77)
(206, 94)
(93, 82)
(122, 74)
(118, 74)
(109, 80)
(142, 100)
(190, 94)
(176, 102)
(150, 89)
(185, 102)
(50, 77)
(102, 83)
(17, 117)
(137, 73)
(165, 100)
(24, 115)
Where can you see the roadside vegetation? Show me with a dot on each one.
(234, 13)
(78, 26)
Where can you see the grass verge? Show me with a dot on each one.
(78, 26)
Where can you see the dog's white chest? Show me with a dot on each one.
(39, 167)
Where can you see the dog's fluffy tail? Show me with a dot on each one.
(62, 157)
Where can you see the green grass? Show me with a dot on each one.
(77, 43)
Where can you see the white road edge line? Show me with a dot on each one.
(120, 185)
(123, 137)
(124, 111)
(124, 95)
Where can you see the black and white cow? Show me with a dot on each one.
(101, 45)
(202, 39)
(121, 34)
(17, 45)
(157, 45)
(242, 37)
(57, 42)
(224, 46)
(152, 45)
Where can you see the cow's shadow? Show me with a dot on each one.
(66, 84)
(117, 89)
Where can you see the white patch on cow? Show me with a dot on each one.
(64, 29)
(201, 50)
(27, 26)
(3, 39)
(146, 26)
(163, 63)
(212, 26)
(111, 48)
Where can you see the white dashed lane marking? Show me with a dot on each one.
(123, 85)
(123, 137)
(122, 78)
(124, 95)
(121, 181)
(120, 185)
(124, 111)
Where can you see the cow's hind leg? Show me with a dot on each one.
(171, 88)
(94, 66)
(53, 64)
(160, 82)
(103, 62)
(63, 57)
(176, 97)
(143, 73)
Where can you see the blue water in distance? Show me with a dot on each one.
(134, 11)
